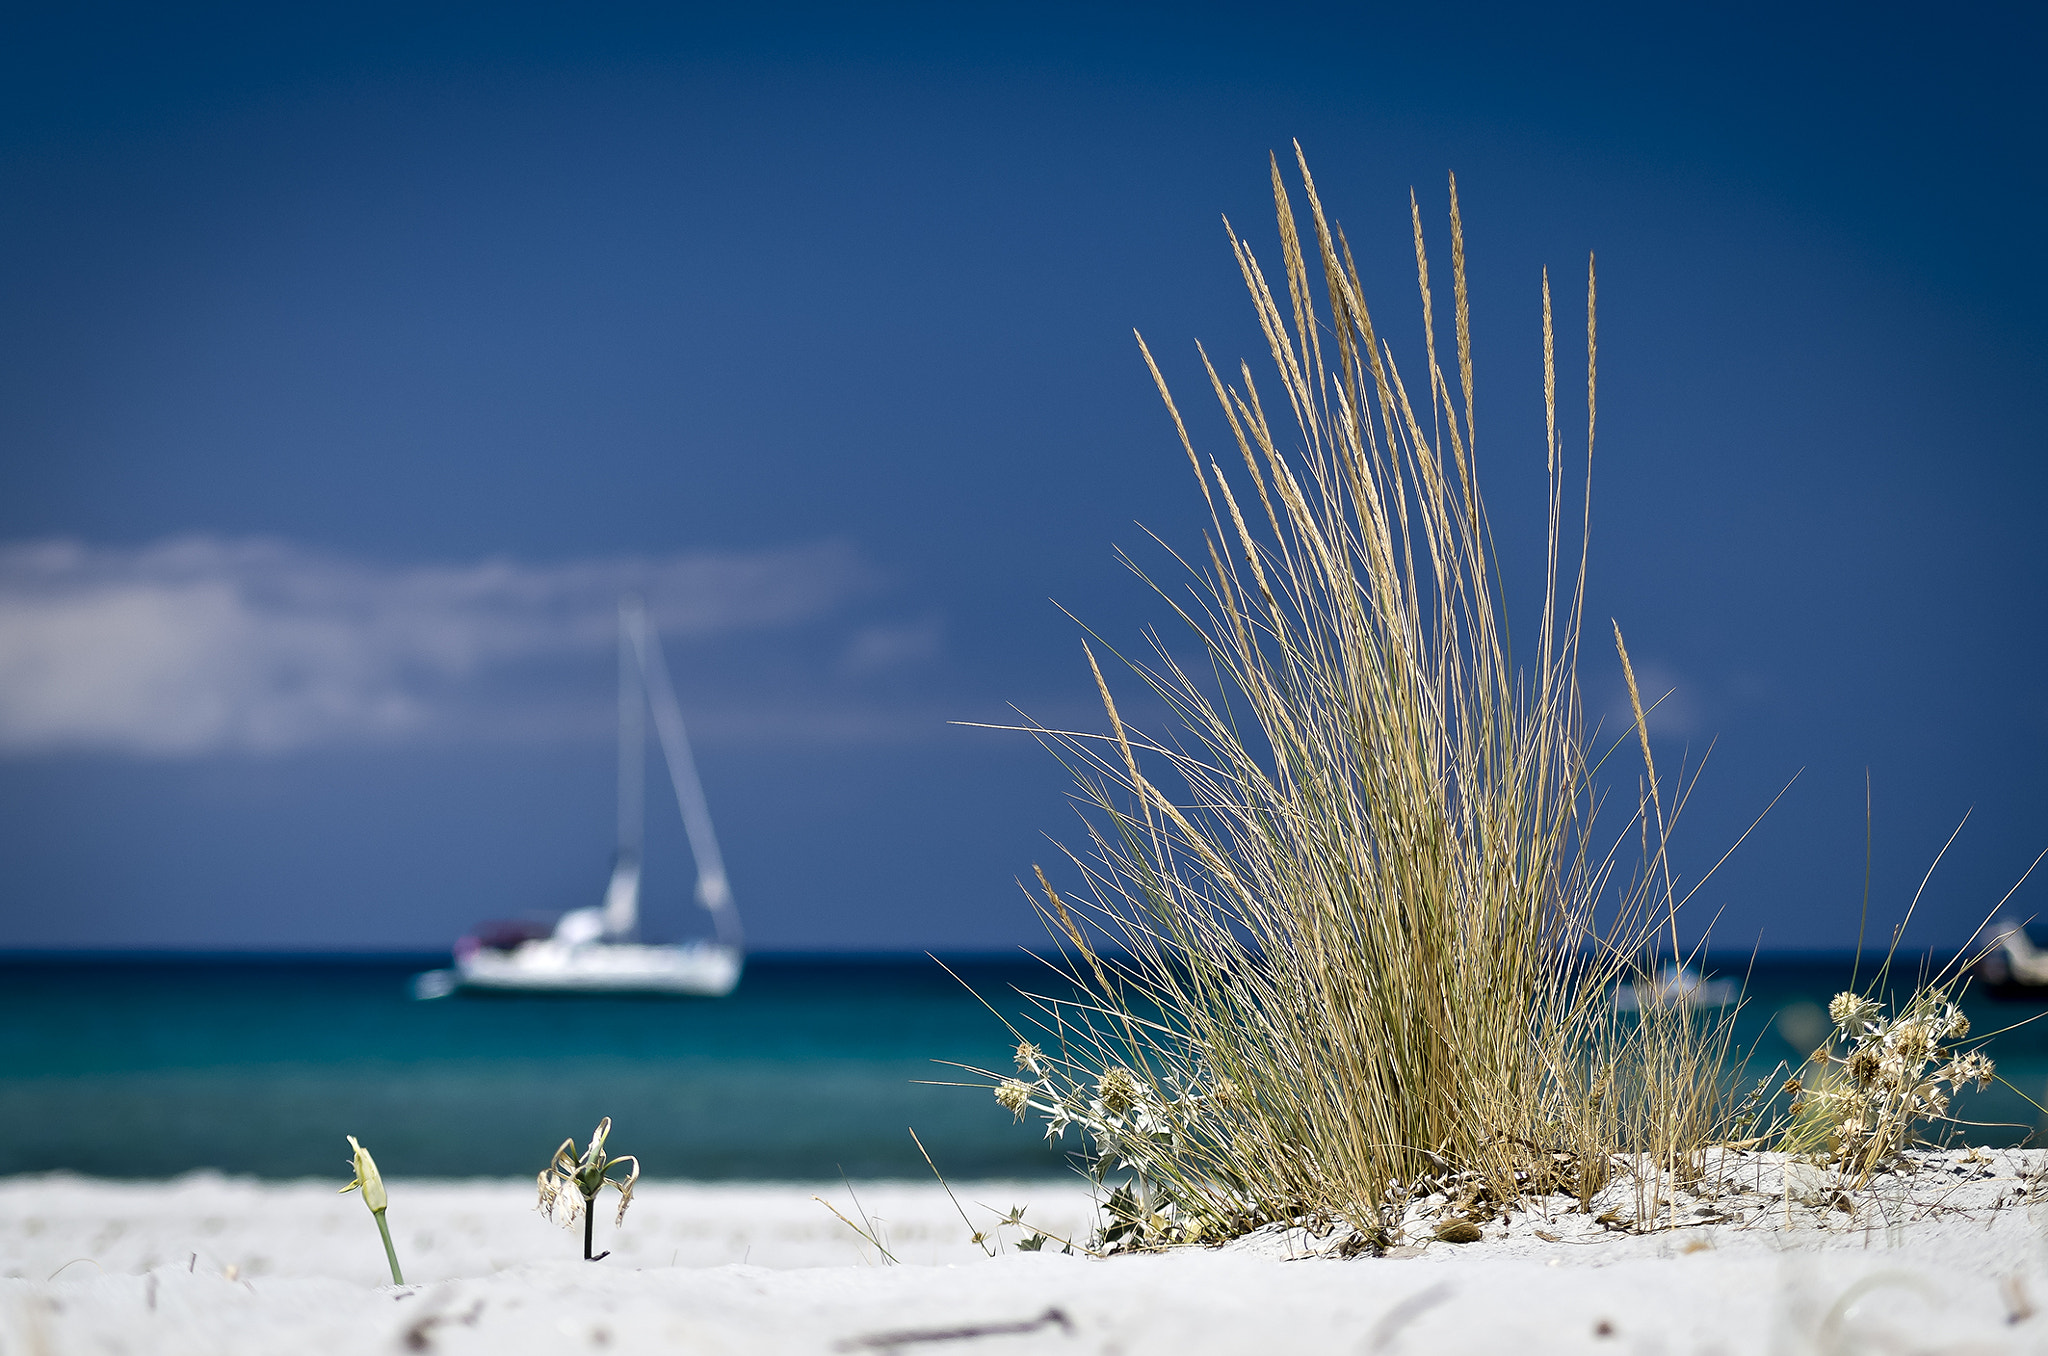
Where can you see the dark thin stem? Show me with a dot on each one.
(589, 1220)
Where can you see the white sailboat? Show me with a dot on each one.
(596, 950)
(1675, 985)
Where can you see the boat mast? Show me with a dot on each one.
(713, 891)
(622, 898)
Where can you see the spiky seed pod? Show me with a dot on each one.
(1014, 1095)
(1912, 1040)
(1970, 1068)
(1850, 1010)
(1118, 1091)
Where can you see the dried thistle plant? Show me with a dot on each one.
(371, 1183)
(1859, 1100)
(1125, 1125)
(569, 1185)
(1876, 1079)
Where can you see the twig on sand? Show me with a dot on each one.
(903, 1337)
(1407, 1311)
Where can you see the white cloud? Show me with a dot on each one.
(1671, 703)
(884, 648)
(201, 644)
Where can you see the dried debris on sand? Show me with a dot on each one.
(1736, 1196)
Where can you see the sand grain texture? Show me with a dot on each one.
(211, 1265)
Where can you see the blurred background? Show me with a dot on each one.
(354, 359)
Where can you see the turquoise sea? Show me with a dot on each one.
(150, 1066)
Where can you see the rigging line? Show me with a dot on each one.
(713, 890)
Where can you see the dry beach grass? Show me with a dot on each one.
(1348, 927)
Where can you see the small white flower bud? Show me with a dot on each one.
(367, 1178)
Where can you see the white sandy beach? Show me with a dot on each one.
(205, 1264)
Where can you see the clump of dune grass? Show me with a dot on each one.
(1343, 925)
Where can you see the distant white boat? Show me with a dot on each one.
(596, 950)
(1676, 985)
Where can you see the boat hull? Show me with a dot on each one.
(1997, 978)
(545, 967)
(1675, 988)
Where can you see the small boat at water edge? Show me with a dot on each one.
(2014, 969)
(1675, 985)
(597, 950)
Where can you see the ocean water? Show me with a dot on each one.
(813, 1067)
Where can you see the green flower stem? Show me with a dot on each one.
(390, 1253)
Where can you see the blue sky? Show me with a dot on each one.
(353, 359)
